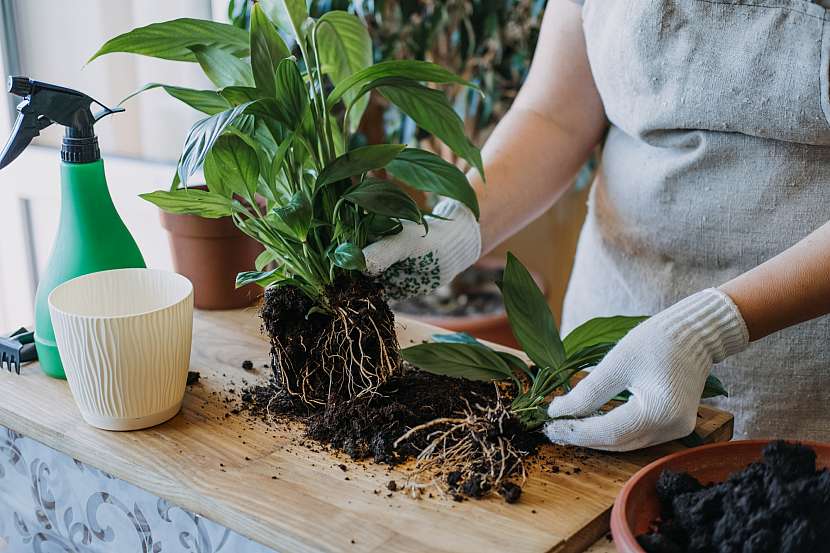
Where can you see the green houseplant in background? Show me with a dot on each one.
(277, 157)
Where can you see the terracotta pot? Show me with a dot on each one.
(210, 252)
(637, 505)
(493, 327)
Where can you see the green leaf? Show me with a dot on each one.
(292, 95)
(349, 256)
(296, 216)
(263, 259)
(713, 388)
(358, 161)
(172, 40)
(426, 171)
(289, 15)
(431, 111)
(345, 48)
(206, 101)
(599, 331)
(222, 68)
(201, 137)
(516, 363)
(405, 69)
(191, 201)
(237, 164)
(379, 227)
(267, 50)
(458, 361)
(258, 277)
(384, 198)
(530, 317)
(215, 178)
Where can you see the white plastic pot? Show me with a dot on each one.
(124, 338)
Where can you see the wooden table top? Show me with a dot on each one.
(268, 483)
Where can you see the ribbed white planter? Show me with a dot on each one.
(124, 338)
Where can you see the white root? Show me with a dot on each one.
(344, 361)
(465, 445)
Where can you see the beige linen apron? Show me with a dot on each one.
(717, 159)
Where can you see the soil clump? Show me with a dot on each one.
(781, 504)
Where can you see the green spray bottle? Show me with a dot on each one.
(91, 235)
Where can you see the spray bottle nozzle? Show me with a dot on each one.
(44, 104)
(19, 86)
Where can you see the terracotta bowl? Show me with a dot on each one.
(637, 506)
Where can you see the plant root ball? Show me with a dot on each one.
(344, 352)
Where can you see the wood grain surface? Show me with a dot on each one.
(267, 482)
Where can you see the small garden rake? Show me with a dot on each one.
(16, 348)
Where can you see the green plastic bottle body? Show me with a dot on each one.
(91, 237)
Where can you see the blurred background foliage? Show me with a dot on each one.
(489, 42)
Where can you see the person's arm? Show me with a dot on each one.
(547, 135)
(529, 160)
(790, 288)
(664, 362)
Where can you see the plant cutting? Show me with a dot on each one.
(277, 131)
(480, 450)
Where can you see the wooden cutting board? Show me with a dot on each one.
(268, 483)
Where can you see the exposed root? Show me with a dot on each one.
(346, 353)
(473, 455)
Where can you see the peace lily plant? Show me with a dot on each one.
(480, 445)
(277, 157)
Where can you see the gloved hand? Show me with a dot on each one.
(414, 264)
(664, 363)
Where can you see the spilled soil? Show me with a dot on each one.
(781, 504)
(368, 429)
(339, 371)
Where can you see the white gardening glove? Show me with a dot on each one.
(664, 363)
(413, 263)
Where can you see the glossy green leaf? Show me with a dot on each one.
(599, 331)
(345, 48)
(267, 50)
(206, 101)
(358, 161)
(431, 111)
(349, 256)
(201, 137)
(258, 277)
(292, 95)
(378, 227)
(384, 198)
(191, 202)
(516, 363)
(458, 360)
(296, 216)
(289, 15)
(222, 68)
(426, 171)
(215, 178)
(405, 69)
(172, 40)
(530, 317)
(263, 259)
(237, 164)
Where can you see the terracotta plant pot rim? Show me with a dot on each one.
(624, 538)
